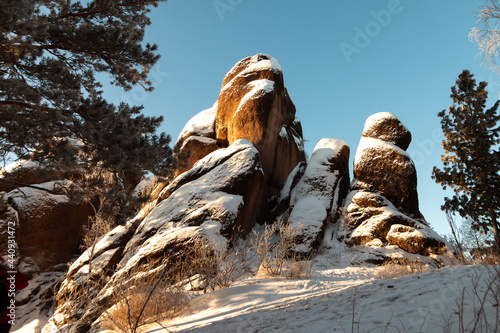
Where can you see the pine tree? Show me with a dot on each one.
(50, 53)
(472, 157)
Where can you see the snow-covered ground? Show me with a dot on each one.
(344, 299)
(341, 297)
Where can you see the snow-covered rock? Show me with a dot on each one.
(218, 199)
(25, 172)
(382, 207)
(315, 198)
(253, 104)
(387, 127)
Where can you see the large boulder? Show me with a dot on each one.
(220, 198)
(50, 223)
(382, 207)
(254, 104)
(385, 168)
(315, 194)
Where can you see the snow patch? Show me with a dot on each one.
(259, 88)
(380, 117)
(202, 124)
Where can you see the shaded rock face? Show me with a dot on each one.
(50, 225)
(383, 204)
(219, 198)
(314, 193)
(253, 104)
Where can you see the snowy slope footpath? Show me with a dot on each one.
(344, 299)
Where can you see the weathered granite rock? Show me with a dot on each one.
(254, 105)
(219, 198)
(383, 207)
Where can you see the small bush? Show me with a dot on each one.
(273, 246)
(145, 295)
(298, 269)
(142, 305)
(400, 267)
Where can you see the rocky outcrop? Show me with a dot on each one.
(384, 167)
(383, 205)
(315, 194)
(219, 198)
(50, 225)
(253, 104)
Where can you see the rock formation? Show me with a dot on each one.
(253, 104)
(24, 173)
(219, 198)
(383, 204)
(313, 194)
(244, 149)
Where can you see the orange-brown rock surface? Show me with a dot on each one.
(383, 203)
(253, 104)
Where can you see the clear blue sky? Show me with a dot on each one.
(407, 66)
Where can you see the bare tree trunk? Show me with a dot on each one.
(496, 231)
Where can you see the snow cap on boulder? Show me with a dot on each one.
(387, 127)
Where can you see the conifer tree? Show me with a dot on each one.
(472, 157)
(50, 54)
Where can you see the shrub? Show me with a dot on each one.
(398, 267)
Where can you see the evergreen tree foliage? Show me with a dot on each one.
(50, 54)
(472, 157)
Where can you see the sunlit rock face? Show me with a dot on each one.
(253, 104)
(383, 203)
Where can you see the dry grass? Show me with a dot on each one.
(400, 267)
(273, 247)
(486, 296)
(298, 269)
(143, 305)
